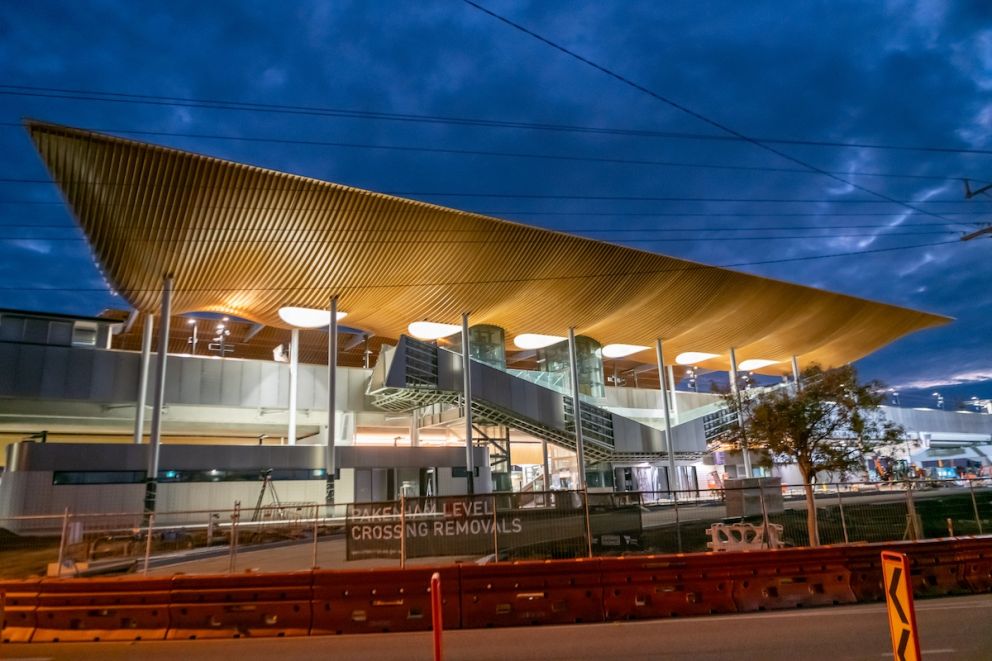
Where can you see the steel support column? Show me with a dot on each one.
(330, 461)
(546, 467)
(294, 370)
(467, 392)
(673, 476)
(146, 359)
(415, 428)
(796, 374)
(580, 459)
(671, 390)
(151, 477)
(740, 412)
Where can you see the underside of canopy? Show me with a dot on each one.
(247, 241)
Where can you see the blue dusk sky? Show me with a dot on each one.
(894, 98)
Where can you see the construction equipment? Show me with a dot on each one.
(267, 484)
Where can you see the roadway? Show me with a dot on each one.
(951, 628)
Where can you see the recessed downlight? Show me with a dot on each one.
(308, 317)
(622, 350)
(693, 357)
(535, 341)
(430, 330)
(755, 364)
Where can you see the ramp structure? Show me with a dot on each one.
(415, 374)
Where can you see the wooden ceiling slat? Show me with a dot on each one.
(272, 239)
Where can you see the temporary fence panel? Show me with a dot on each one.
(495, 525)
(486, 527)
(30, 546)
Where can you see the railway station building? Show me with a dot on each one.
(318, 333)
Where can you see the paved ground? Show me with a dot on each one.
(953, 628)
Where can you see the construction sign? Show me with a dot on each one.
(899, 598)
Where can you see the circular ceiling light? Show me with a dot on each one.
(621, 350)
(755, 364)
(693, 357)
(535, 341)
(308, 317)
(430, 330)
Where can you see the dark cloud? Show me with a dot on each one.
(892, 73)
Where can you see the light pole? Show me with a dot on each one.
(693, 380)
(740, 412)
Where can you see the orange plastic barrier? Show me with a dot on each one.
(937, 566)
(664, 586)
(976, 558)
(523, 593)
(506, 594)
(787, 579)
(866, 573)
(130, 608)
(232, 606)
(937, 572)
(20, 604)
(378, 600)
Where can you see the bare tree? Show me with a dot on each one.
(831, 423)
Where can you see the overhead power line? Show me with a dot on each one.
(509, 215)
(305, 241)
(536, 196)
(453, 283)
(723, 128)
(496, 153)
(218, 104)
(733, 214)
(510, 229)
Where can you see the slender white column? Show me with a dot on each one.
(580, 459)
(415, 428)
(330, 461)
(467, 389)
(673, 476)
(740, 413)
(671, 389)
(547, 465)
(151, 478)
(796, 375)
(146, 359)
(294, 370)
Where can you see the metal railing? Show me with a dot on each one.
(490, 528)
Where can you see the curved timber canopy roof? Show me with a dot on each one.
(246, 241)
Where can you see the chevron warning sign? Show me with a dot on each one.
(899, 598)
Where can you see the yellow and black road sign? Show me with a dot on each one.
(899, 598)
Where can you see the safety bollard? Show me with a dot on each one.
(436, 621)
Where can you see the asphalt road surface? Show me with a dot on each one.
(953, 628)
